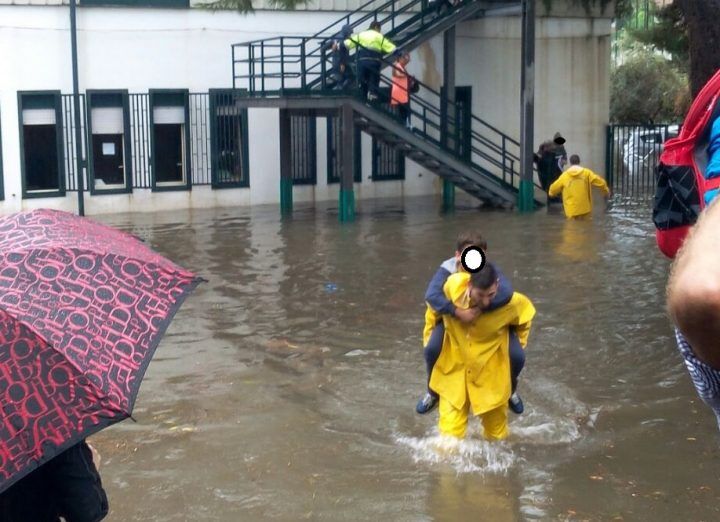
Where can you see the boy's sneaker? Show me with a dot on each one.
(427, 403)
(516, 403)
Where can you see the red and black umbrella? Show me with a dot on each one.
(83, 307)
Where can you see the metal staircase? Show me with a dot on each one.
(292, 72)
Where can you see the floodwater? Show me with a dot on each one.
(285, 387)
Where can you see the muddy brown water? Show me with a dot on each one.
(285, 387)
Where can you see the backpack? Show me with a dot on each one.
(681, 184)
(413, 84)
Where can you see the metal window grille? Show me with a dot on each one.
(303, 150)
(68, 124)
(229, 140)
(388, 162)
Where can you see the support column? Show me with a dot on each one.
(450, 126)
(80, 163)
(346, 204)
(526, 200)
(286, 184)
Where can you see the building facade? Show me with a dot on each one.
(159, 129)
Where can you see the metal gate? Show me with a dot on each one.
(633, 152)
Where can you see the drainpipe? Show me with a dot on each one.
(526, 199)
(76, 110)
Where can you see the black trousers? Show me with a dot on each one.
(369, 77)
(68, 486)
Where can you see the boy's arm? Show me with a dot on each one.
(504, 291)
(435, 295)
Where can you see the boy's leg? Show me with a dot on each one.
(494, 423)
(452, 421)
(517, 362)
(431, 352)
(433, 348)
(517, 358)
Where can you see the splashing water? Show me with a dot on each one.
(470, 455)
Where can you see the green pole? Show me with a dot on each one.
(286, 184)
(526, 201)
(347, 161)
(448, 196)
(286, 196)
(347, 205)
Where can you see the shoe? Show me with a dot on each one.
(516, 404)
(427, 403)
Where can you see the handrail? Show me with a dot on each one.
(301, 63)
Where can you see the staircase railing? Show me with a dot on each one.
(288, 65)
(397, 18)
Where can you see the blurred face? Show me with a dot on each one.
(481, 298)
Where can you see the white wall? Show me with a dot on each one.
(141, 49)
(572, 67)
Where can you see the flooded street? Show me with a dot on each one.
(285, 388)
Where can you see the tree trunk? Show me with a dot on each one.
(703, 24)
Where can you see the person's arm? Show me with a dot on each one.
(397, 71)
(350, 43)
(693, 291)
(523, 320)
(504, 291)
(435, 294)
(557, 187)
(598, 182)
(386, 46)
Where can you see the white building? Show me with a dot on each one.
(149, 69)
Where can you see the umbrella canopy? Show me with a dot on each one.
(82, 308)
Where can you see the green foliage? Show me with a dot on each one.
(667, 34)
(622, 7)
(647, 88)
(246, 6)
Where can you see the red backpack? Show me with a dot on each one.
(681, 185)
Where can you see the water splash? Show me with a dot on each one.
(470, 455)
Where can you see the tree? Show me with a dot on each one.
(647, 88)
(246, 6)
(701, 21)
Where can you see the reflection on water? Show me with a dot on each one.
(285, 387)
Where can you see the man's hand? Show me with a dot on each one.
(467, 315)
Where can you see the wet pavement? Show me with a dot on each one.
(285, 387)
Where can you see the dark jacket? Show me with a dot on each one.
(68, 486)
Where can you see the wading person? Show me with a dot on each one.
(575, 185)
(473, 370)
(438, 305)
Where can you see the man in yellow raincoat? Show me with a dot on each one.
(473, 370)
(576, 184)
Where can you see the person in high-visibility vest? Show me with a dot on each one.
(372, 47)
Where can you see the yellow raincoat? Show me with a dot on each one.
(576, 184)
(474, 364)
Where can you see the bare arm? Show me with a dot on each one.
(693, 292)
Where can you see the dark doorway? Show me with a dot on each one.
(169, 164)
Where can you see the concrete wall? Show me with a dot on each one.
(572, 67)
(141, 49)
